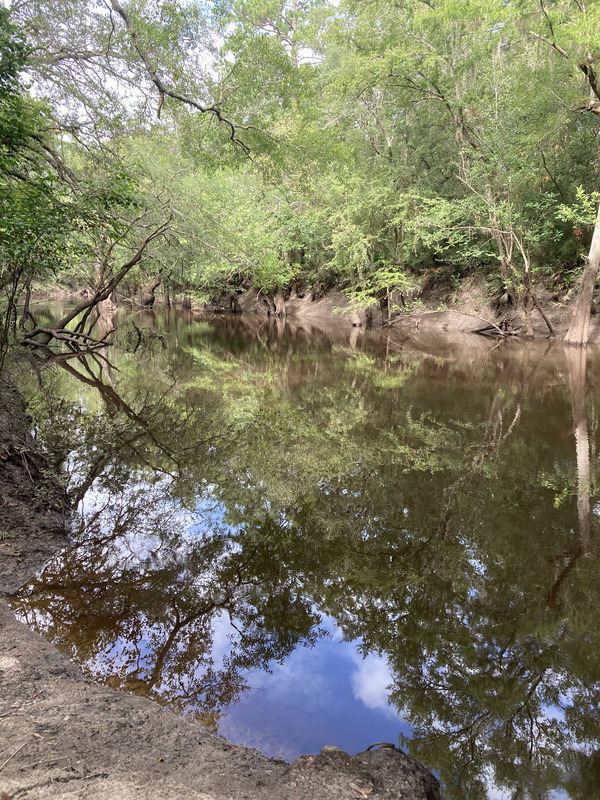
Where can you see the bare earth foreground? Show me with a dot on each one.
(64, 736)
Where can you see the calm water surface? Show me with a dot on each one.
(303, 537)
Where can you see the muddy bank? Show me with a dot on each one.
(62, 735)
(466, 309)
(33, 516)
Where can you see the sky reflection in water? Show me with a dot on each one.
(266, 503)
(323, 694)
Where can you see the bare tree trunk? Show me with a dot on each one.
(384, 307)
(101, 273)
(26, 316)
(578, 332)
(147, 297)
(576, 362)
(276, 305)
(581, 546)
(106, 322)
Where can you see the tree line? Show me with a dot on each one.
(297, 145)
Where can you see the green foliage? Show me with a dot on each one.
(584, 209)
(32, 228)
(385, 138)
(13, 52)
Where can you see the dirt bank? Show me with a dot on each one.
(465, 309)
(63, 736)
(32, 504)
(468, 308)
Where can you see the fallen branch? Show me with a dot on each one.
(18, 750)
(48, 761)
(544, 317)
(60, 331)
(463, 313)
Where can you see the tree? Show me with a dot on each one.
(34, 214)
(570, 34)
(89, 219)
(440, 97)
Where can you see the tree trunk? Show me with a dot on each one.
(276, 305)
(580, 322)
(26, 315)
(147, 297)
(576, 363)
(384, 307)
(106, 321)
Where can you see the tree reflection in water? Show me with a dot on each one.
(261, 481)
(138, 598)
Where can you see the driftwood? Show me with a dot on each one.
(489, 324)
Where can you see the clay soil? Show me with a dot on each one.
(64, 736)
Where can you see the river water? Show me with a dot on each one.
(302, 536)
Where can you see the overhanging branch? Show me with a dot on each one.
(164, 90)
(60, 331)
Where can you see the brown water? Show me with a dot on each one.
(304, 536)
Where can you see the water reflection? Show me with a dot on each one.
(267, 485)
(137, 601)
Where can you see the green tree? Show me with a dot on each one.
(34, 215)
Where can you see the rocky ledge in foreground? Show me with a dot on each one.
(64, 736)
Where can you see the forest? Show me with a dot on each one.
(296, 146)
(299, 531)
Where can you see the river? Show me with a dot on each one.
(304, 535)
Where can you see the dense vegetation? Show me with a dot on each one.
(376, 145)
(293, 146)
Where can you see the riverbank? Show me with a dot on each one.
(62, 735)
(467, 308)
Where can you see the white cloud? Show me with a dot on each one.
(370, 683)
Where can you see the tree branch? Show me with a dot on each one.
(557, 47)
(164, 90)
(592, 78)
(102, 293)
